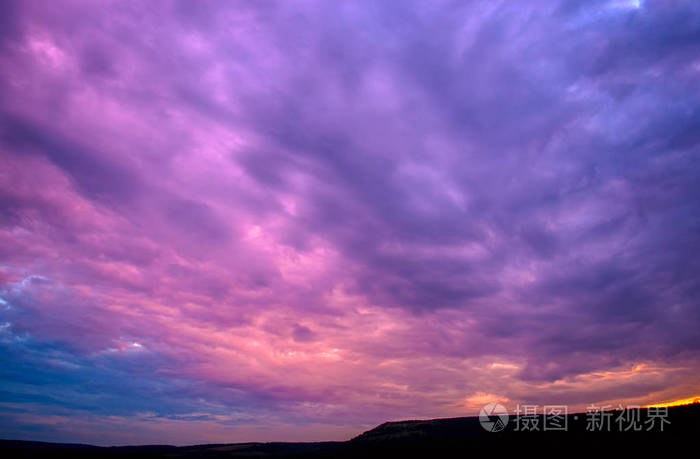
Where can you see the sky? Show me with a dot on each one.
(227, 221)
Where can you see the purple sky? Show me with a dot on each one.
(293, 220)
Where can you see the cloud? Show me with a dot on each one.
(310, 213)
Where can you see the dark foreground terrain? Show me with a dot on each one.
(456, 437)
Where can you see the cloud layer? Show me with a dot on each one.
(294, 220)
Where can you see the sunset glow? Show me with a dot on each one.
(681, 402)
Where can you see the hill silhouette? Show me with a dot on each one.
(451, 437)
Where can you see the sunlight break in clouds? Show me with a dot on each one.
(254, 221)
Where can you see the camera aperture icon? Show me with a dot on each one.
(493, 417)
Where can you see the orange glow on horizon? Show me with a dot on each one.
(682, 401)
